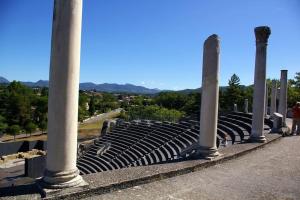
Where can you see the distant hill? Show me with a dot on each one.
(40, 83)
(113, 87)
(3, 80)
(104, 87)
(222, 89)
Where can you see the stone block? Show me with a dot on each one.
(35, 166)
(277, 122)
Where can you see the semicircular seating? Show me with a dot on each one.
(146, 142)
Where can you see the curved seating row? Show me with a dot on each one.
(149, 142)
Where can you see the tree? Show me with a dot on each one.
(293, 90)
(44, 92)
(192, 105)
(171, 100)
(3, 125)
(296, 81)
(43, 126)
(41, 108)
(13, 130)
(92, 108)
(233, 94)
(30, 127)
(153, 112)
(234, 81)
(19, 103)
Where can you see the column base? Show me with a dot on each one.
(60, 180)
(207, 152)
(257, 139)
(61, 183)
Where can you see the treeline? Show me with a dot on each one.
(166, 106)
(171, 106)
(24, 109)
(91, 103)
(236, 93)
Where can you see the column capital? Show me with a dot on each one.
(262, 34)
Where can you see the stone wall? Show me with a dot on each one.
(21, 146)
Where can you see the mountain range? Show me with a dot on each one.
(104, 87)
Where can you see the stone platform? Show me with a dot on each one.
(108, 181)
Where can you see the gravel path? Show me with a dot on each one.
(269, 173)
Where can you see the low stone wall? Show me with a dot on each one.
(21, 146)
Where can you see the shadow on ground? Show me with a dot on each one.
(19, 190)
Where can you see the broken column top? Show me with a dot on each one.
(262, 34)
(212, 40)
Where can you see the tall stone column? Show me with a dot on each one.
(273, 97)
(282, 107)
(267, 102)
(246, 105)
(262, 34)
(235, 109)
(61, 170)
(209, 98)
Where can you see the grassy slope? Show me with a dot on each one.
(85, 131)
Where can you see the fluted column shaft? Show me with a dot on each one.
(257, 133)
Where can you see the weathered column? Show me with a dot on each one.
(246, 102)
(209, 98)
(61, 170)
(273, 97)
(235, 109)
(282, 107)
(262, 34)
(266, 101)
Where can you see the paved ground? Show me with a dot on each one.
(269, 173)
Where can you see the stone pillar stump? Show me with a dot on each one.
(209, 98)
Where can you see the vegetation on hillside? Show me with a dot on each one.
(24, 109)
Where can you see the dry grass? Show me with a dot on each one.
(86, 130)
(9, 138)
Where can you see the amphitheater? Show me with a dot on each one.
(144, 151)
(146, 142)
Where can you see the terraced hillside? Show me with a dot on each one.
(150, 142)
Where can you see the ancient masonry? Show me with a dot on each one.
(144, 142)
(257, 132)
(61, 170)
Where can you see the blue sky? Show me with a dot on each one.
(153, 43)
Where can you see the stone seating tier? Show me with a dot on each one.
(149, 142)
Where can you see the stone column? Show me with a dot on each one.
(266, 101)
(246, 102)
(282, 107)
(61, 170)
(235, 108)
(262, 34)
(209, 98)
(273, 97)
